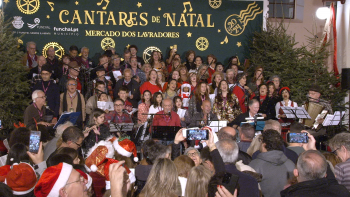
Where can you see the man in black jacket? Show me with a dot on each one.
(132, 85)
(314, 178)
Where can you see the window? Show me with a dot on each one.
(282, 9)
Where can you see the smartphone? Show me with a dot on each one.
(197, 134)
(0, 125)
(34, 141)
(229, 181)
(297, 138)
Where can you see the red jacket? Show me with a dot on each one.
(241, 97)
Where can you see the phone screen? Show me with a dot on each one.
(197, 134)
(0, 124)
(297, 138)
(34, 141)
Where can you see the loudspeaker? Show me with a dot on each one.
(345, 78)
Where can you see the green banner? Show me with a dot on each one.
(222, 28)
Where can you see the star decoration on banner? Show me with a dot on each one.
(127, 46)
(6, 1)
(76, 3)
(48, 16)
(219, 30)
(239, 44)
(139, 4)
(189, 34)
(159, 9)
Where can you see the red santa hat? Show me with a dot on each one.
(21, 179)
(126, 147)
(86, 177)
(98, 162)
(52, 180)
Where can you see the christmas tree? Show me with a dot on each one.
(14, 86)
(298, 67)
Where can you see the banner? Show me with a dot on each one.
(222, 28)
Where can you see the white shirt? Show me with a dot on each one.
(153, 110)
(278, 106)
(183, 182)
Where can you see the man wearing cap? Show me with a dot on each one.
(73, 73)
(314, 95)
(51, 90)
(101, 76)
(61, 180)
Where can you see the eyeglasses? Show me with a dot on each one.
(72, 84)
(81, 179)
(192, 154)
(120, 105)
(335, 151)
(43, 97)
(79, 145)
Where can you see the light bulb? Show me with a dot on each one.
(322, 13)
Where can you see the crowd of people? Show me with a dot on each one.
(92, 156)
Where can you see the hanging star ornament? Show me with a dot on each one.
(189, 34)
(219, 30)
(127, 46)
(239, 44)
(159, 9)
(76, 3)
(139, 4)
(48, 16)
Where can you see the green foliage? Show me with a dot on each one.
(14, 86)
(298, 67)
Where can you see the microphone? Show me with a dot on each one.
(48, 108)
(99, 91)
(169, 113)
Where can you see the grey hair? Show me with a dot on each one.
(189, 149)
(276, 76)
(29, 43)
(311, 165)
(35, 94)
(274, 125)
(228, 150)
(341, 139)
(251, 102)
(82, 48)
(60, 128)
(229, 70)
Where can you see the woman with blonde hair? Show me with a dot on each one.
(197, 182)
(161, 180)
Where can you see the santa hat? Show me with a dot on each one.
(86, 177)
(99, 163)
(21, 179)
(126, 148)
(185, 85)
(52, 180)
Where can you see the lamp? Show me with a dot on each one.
(322, 12)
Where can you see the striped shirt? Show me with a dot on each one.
(342, 173)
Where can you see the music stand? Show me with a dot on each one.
(296, 112)
(165, 133)
(217, 125)
(333, 119)
(121, 127)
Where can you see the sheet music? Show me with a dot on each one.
(117, 74)
(185, 102)
(105, 105)
(300, 112)
(333, 119)
(181, 112)
(212, 98)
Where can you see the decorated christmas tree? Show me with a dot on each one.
(14, 87)
(298, 67)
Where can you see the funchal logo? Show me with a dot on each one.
(235, 24)
(28, 6)
(17, 22)
(36, 21)
(59, 50)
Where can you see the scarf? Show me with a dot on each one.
(30, 60)
(79, 107)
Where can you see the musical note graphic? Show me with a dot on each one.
(51, 4)
(100, 3)
(225, 41)
(187, 3)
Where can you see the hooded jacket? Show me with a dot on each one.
(276, 169)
